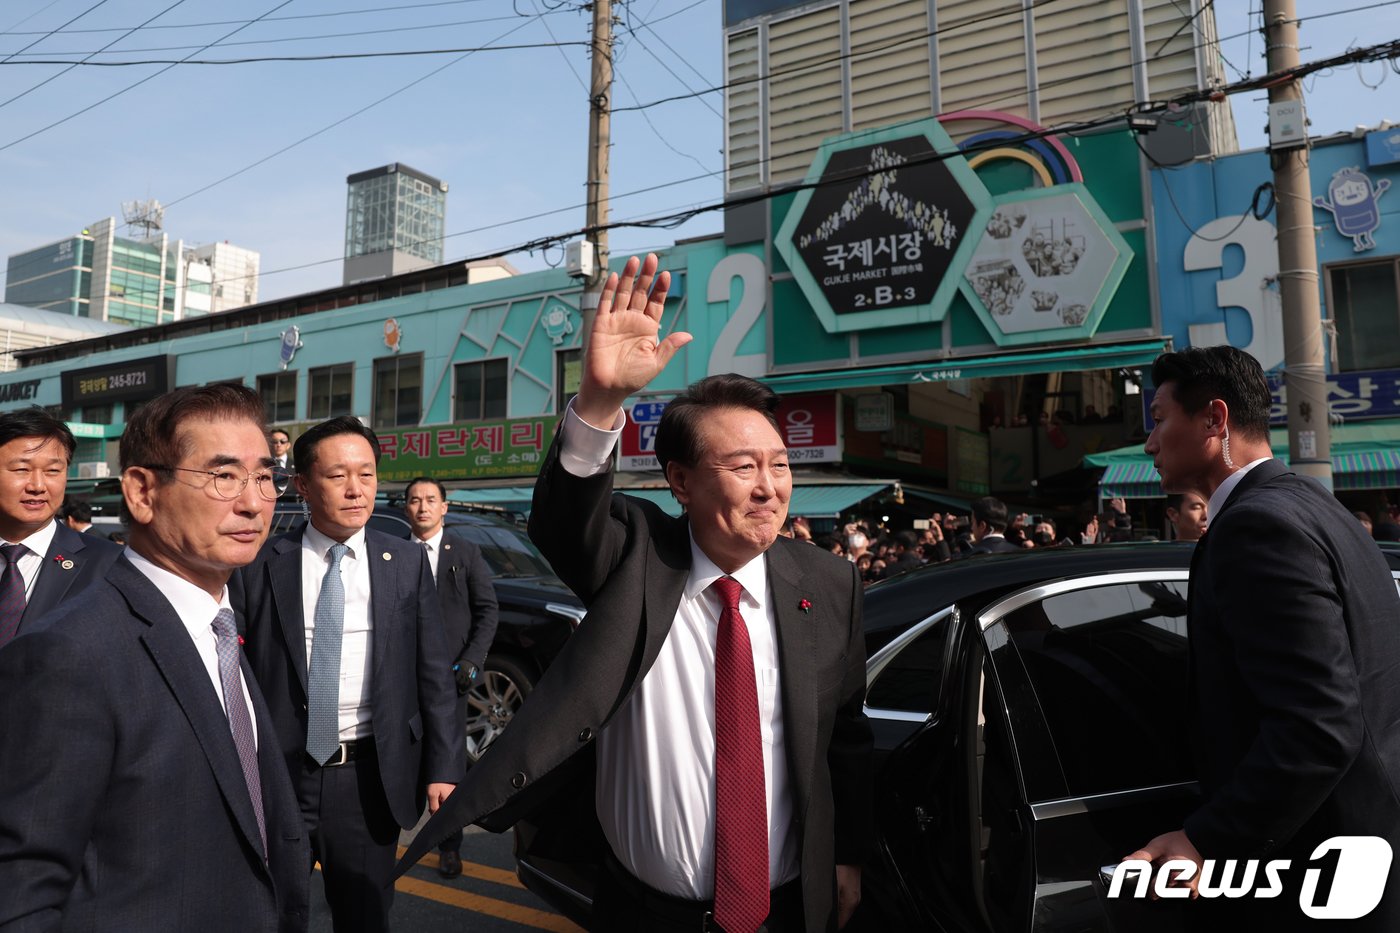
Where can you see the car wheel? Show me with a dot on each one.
(492, 702)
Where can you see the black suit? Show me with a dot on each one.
(467, 599)
(993, 544)
(416, 736)
(469, 615)
(122, 802)
(629, 562)
(87, 557)
(1295, 662)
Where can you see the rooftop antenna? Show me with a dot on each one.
(147, 216)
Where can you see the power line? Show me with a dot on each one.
(662, 62)
(436, 27)
(109, 97)
(248, 22)
(328, 57)
(56, 75)
(647, 117)
(59, 29)
(344, 119)
(42, 9)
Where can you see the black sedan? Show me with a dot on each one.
(1029, 734)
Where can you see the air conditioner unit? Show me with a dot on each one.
(97, 469)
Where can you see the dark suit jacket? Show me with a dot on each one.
(91, 556)
(122, 802)
(997, 545)
(467, 599)
(412, 696)
(1295, 661)
(629, 561)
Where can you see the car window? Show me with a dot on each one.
(1108, 667)
(910, 680)
(390, 525)
(507, 551)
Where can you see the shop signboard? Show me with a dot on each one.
(512, 447)
(129, 380)
(808, 423)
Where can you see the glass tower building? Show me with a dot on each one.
(395, 217)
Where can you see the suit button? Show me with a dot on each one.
(518, 780)
(585, 735)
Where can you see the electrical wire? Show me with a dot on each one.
(399, 8)
(58, 74)
(329, 57)
(43, 9)
(350, 116)
(656, 132)
(129, 87)
(435, 27)
(58, 30)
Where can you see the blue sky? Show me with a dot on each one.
(507, 129)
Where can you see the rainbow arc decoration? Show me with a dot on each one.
(1047, 157)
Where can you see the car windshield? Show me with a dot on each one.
(508, 551)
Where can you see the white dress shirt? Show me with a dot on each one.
(355, 643)
(1222, 492)
(196, 610)
(656, 758)
(38, 544)
(433, 546)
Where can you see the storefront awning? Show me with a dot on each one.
(1364, 456)
(1102, 356)
(824, 501)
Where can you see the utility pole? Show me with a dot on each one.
(599, 138)
(1309, 430)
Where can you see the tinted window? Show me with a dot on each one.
(1108, 666)
(911, 679)
(507, 551)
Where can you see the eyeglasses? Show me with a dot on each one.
(280, 440)
(230, 480)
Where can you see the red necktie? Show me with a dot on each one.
(741, 800)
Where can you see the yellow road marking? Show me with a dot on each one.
(515, 913)
(473, 870)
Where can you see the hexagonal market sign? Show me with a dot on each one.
(883, 227)
(1045, 267)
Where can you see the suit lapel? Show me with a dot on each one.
(381, 596)
(668, 568)
(797, 653)
(169, 645)
(54, 579)
(284, 577)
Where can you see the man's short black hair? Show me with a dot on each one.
(79, 511)
(678, 434)
(304, 450)
(1174, 500)
(36, 422)
(991, 511)
(1227, 373)
(442, 490)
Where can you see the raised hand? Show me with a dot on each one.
(623, 353)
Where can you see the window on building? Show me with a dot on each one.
(1365, 305)
(480, 390)
(398, 390)
(328, 391)
(279, 396)
(568, 368)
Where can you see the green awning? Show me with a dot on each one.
(1364, 456)
(824, 501)
(1099, 356)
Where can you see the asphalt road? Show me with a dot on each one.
(487, 898)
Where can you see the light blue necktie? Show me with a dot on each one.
(323, 675)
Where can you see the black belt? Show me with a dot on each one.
(347, 752)
(784, 900)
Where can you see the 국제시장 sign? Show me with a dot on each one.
(878, 235)
(479, 450)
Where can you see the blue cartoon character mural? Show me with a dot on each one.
(558, 323)
(1353, 205)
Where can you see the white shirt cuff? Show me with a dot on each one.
(586, 450)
